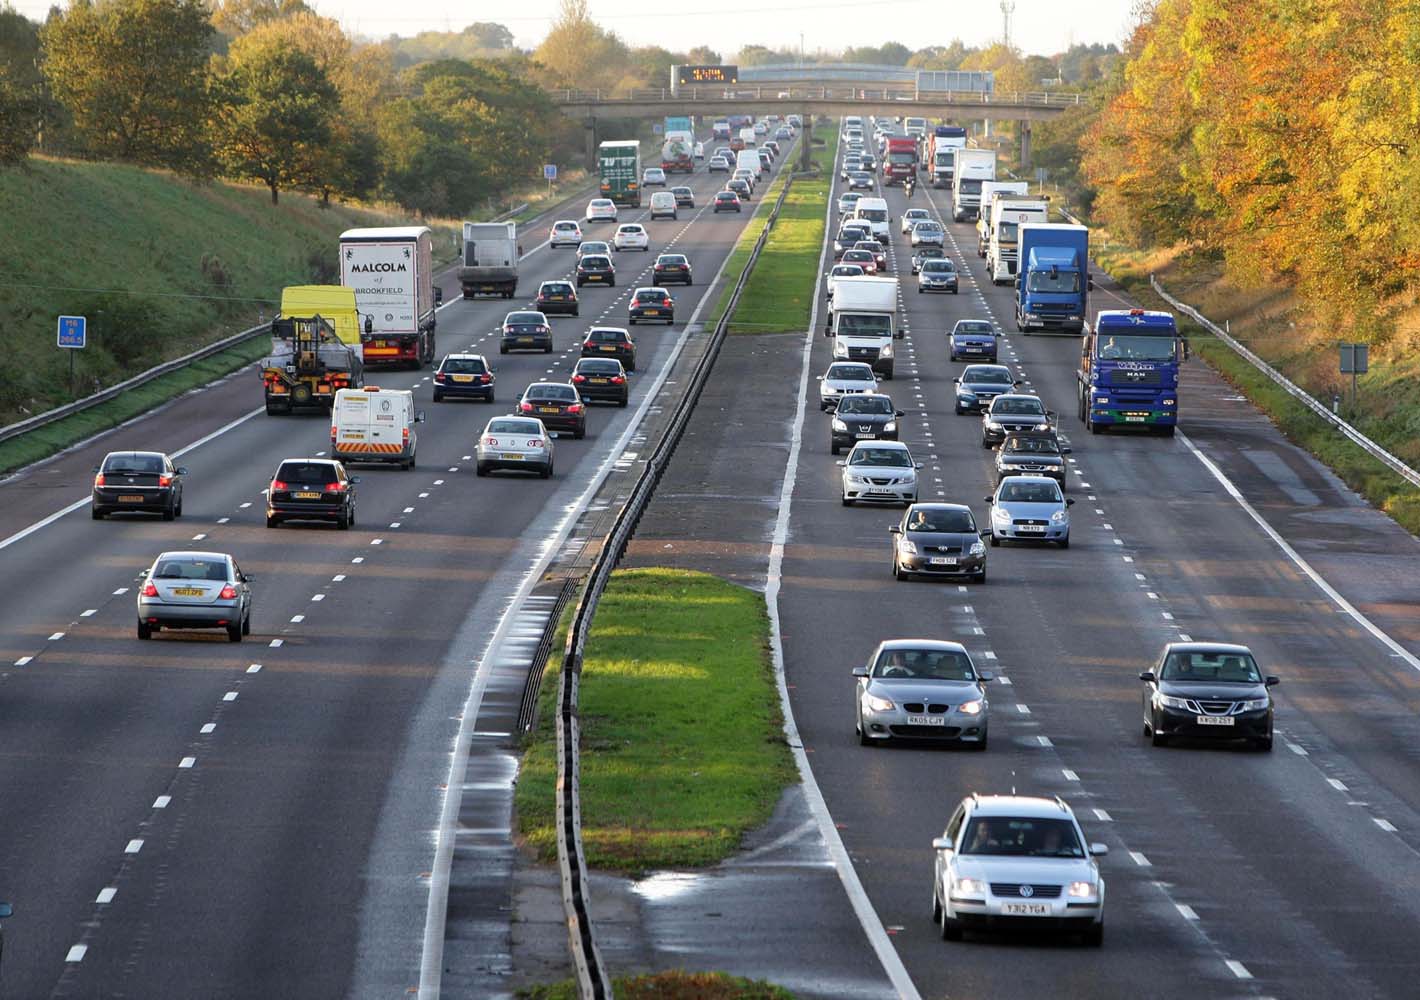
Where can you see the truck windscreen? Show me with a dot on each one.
(1007, 231)
(1113, 348)
(863, 325)
(1064, 282)
(902, 157)
(970, 185)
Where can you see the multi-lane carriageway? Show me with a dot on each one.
(187, 817)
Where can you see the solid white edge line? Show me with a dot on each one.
(868, 918)
(1297, 560)
(436, 914)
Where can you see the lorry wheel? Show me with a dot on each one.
(300, 395)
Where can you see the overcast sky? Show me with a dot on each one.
(1037, 26)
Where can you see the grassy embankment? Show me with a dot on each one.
(682, 747)
(779, 295)
(1274, 325)
(672, 986)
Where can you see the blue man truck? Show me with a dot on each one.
(1128, 373)
(1052, 277)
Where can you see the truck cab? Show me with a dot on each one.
(1053, 281)
(862, 319)
(1128, 374)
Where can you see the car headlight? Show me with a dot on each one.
(993, 425)
(978, 548)
(1060, 517)
(854, 478)
(839, 425)
(970, 707)
(1000, 514)
(886, 352)
(1082, 890)
(968, 886)
(1169, 701)
(890, 427)
(907, 546)
(840, 350)
(1254, 705)
(965, 394)
(877, 704)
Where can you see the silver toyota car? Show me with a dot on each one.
(921, 689)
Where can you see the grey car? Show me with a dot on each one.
(938, 539)
(928, 233)
(879, 471)
(1207, 690)
(1032, 454)
(185, 590)
(519, 443)
(1030, 508)
(1017, 861)
(977, 385)
(938, 275)
(923, 689)
(1011, 413)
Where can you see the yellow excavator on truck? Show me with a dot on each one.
(315, 349)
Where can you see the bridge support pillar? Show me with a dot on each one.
(1025, 145)
(589, 132)
(806, 140)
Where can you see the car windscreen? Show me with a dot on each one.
(976, 328)
(1029, 493)
(864, 325)
(1113, 348)
(1063, 282)
(850, 373)
(1018, 406)
(464, 366)
(938, 266)
(924, 664)
(190, 568)
(893, 458)
(524, 318)
(987, 376)
(866, 406)
(864, 255)
(593, 262)
(133, 464)
(306, 472)
(1034, 445)
(873, 214)
(931, 253)
(597, 366)
(1237, 668)
(927, 226)
(560, 393)
(955, 521)
(1023, 836)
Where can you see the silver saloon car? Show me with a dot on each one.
(520, 443)
(1030, 508)
(921, 689)
(881, 472)
(184, 590)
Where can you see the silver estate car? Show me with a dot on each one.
(921, 689)
(1017, 861)
(521, 443)
(880, 471)
(194, 590)
(1030, 508)
(844, 378)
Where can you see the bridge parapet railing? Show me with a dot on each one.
(721, 95)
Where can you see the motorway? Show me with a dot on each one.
(1231, 872)
(189, 817)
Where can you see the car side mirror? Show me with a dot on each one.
(818, 378)
(1272, 681)
(941, 844)
(840, 463)
(984, 534)
(1149, 677)
(985, 675)
(895, 530)
(957, 380)
(988, 499)
(860, 672)
(181, 470)
(142, 574)
(918, 465)
(1016, 382)
(419, 417)
(1050, 413)
(1069, 501)
(353, 479)
(1066, 449)
(1098, 850)
(899, 413)
(248, 577)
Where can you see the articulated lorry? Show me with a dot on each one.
(392, 273)
(1008, 213)
(1053, 279)
(678, 152)
(939, 153)
(315, 349)
(490, 259)
(1128, 373)
(989, 190)
(619, 163)
(862, 319)
(899, 159)
(972, 168)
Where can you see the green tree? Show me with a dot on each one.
(276, 121)
(234, 18)
(19, 117)
(133, 76)
(939, 56)
(702, 55)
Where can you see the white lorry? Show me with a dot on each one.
(973, 167)
(862, 320)
(1008, 214)
(490, 259)
(371, 424)
(989, 190)
(392, 272)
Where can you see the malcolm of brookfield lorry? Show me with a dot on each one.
(619, 165)
(1052, 278)
(1128, 373)
(862, 319)
(489, 264)
(392, 273)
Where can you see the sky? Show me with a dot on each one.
(1041, 27)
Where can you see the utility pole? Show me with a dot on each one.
(801, 50)
(1008, 7)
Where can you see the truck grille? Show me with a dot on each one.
(863, 353)
(1129, 377)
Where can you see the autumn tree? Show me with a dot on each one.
(234, 18)
(132, 75)
(702, 55)
(579, 53)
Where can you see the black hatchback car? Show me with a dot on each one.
(610, 342)
(525, 330)
(653, 304)
(671, 267)
(464, 376)
(311, 489)
(602, 378)
(867, 416)
(595, 269)
(557, 404)
(726, 201)
(1207, 690)
(137, 480)
(938, 539)
(557, 297)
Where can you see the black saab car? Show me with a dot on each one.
(139, 481)
(651, 304)
(672, 267)
(867, 416)
(595, 269)
(977, 385)
(311, 489)
(602, 378)
(1207, 690)
(938, 539)
(557, 297)
(525, 330)
(1034, 454)
(1011, 413)
(610, 342)
(557, 404)
(464, 376)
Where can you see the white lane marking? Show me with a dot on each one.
(208, 728)
(277, 643)
(1337, 784)
(106, 895)
(1140, 860)
(56, 637)
(255, 668)
(394, 524)
(297, 619)
(120, 592)
(76, 953)
(317, 597)
(1128, 559)
(1003, 680)
(1167, 616)
(337, 578)
(230, 696)
(1103, 816)
(134, 846)
(1299, 751)
(377, 541)
(23, 660)
(1237, 968)
(358, 560)
(1069, 774)
(187, 762)
(223, 520)
(989, 655)
(88, 613)
(1384, 824)
(161, 802)
(246, 505)
(1153, 596)
(1400, 651)
(1185, 911)
(1184, 637)
(438, 482)
(1023, 709)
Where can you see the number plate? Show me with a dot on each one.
(1026, 909)
(653, 312)
(1133, 419)
(861, 437)
(882, 491)
(525, 340)
(926, 720)
(1030, 529)
(188, 591)
(944, 560)
(608, 348)
(512, 456)
(1215, 720)
(547, 409)
(463, 378)
(306, 496)
(598, 381)
(130, 499)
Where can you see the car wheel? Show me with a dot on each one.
(1264, 744)
(343, 522)
(168, 513)
(272, 521)
(833, 446)
(985, 443)
(246, 623)
(864, 740)
(547, 349)
(959, 411)
(491, 396)
(1065, 542)
(936, 906)
(846, 501)
(438, 397)
(980, 577)
(96, 513)
(502, 349)
(950, 929)
(580, 432)
(979, 745)
(1094, 937)
(1157, 738)
(480, 470)
(145, 631)
(622, 401)
(546, 471)
(234, 632)
(177, 510)
(576, 312)
(995, 542)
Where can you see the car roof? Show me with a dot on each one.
(1207, 647)
(937, 505)
(555, 281)
(191, 554)
(565, 222)
(559, 385)
(1028, 479)
(987, 367)
(652, 288)
(146, 454)
(943, 645)
(889, 445)
(322, 461)
(1018, 395)
(463, 356)
(1020, 805)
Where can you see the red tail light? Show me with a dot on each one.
(440, 377)
(335, 487)
(229, 593)
(165, 480)
(575, 408)
(491, 442)
(150, 590)
(579, 378)
(487, 379)
(617, 380)
(277, 484)
(99, 479)
(588, 343)
(525, 407)
(406, 435)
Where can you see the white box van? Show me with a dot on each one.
(374, 425)
(874, 211)
(663, 205)
(748, 159)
